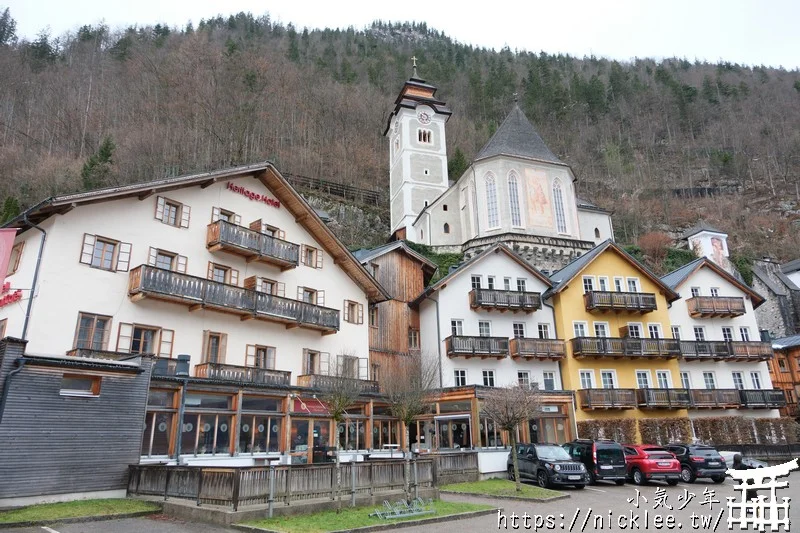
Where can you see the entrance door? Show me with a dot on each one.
(310, 440)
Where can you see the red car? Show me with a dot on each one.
(647, 462)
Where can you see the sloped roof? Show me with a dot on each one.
(699, 227)
(676, 278)
(791, 266)
(589, 206)
(562, 278)
(517, 137)
(786, 342)
(365, 255)
(265, 172)
(496, 248)
(764, 278)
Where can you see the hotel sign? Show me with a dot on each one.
(253, 195)
(7, 297)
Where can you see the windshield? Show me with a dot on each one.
(552, 453)
(705, 452)
(609, 454)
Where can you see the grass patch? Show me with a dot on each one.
(351, 518)
(58, 511)
(501, 487)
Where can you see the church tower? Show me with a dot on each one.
(417, 154)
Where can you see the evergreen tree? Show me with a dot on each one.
(457, 165)
(10, 209)
(8, 29)
(97, 169)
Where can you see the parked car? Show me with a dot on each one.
(603, 459)
(699, 460)
(748, 461)
(647, 462)
(548, 464)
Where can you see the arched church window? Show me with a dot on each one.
(491, 202)
(513, 199)
(446, 227)
(425, 136)
(596, 233)
(558, 207)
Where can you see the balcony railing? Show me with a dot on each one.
(714, 399)
(151, 282)
(91, 353)
(763, 398)
(636, 302)
(715, 306)
(244, 374)
(482, 347)
(505, 300)
(537, 348)
(723, 350)
(255, 246)
(663, 398)
(625, 347)
(321, 382)
(607, 398)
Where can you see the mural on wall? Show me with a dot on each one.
(540, 211)
(716, 253)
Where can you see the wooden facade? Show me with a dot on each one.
(61, 438)
(784, 371)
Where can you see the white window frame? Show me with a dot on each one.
(583, 324)
(524, 378)
(701, 330)
(686, 380)
(604, 325)
(559, 208)
(552, 377)
(584, 373)
(488, 377)
(602, 284)
(588, 284)
(543, 327)
(456, 377)
(619, 284)
(488, 327)
(518, 326)
(649, 382)
(522, 284)
(636, 284)
(740, 375)
(729, 330)
(664, 373)
(657, 327)
(492, 207)
(674, 330)
(744, 333)
(715, 292)
(695, 292)
(490, 284)
(476, 279)
(637, 326)
(507, 284)
(712, 374)
(755, 379)
(514, 203)
(457, 327)
(614, 381)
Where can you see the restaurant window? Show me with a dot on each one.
(491, 434)
(207, 425)
(385, 435)
(92, 332)
(214, 347)
(261, 424)
(352, 434)
(105, 254)
(172, 213)
(16, 256)
(159, 423)
(80, 385)
(454, 432)
(258, 356)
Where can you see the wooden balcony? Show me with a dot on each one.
(620, 302)
(662, 398)
(252, 245)
(483, 347)
(714, 399)
(726, 351)
(607, 398)
(715, 306)
(243, 374)
(199, 293)
(762, 398)
(505, 300)
(625, 347)
(526, 348)
(322, 382)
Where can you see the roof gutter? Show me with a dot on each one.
(35, 275)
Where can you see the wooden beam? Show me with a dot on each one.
(292, 325)
(247, 317)
(302, 218)
(195, 307)
(327, 332)
(146, 194)
(138, 297)
(208, 183)
(67, 208)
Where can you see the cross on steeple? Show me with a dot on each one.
(516, 98)
(414, 61)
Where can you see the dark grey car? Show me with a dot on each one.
(548, 465)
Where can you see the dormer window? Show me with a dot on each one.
(424, 136)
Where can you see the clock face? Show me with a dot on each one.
(424, 118)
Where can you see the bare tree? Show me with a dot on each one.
(509, 407)
(339, 390)
(407, 386)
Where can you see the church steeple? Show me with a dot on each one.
(516, 136)
(417, 152)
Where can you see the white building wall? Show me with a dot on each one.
(595, 226)
(712, 245)
(453, 302)
(67, 287)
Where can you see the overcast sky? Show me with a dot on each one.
(750, 32)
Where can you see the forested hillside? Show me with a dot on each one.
(645, 138)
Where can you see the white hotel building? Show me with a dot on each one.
(232, 267)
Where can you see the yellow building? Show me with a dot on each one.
(613, 311)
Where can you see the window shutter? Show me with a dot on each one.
(281, 290)
(363, 371)
(15, 266)
(324, 364)
(210, 270)
(151, 256)
(106, 334)
(237, 219)
(250, 355)
(186, 214)
(88, 249)
(204, 350)
(360, 314)
(305, 362)
(214, 214)
(346, 311)
(165, 346)
(321, 298)
(271, 358)
(257, 225)
(223, 347)
(234, 277)
(124, 337)
(302, 254)
(281, 234)
(251, 283)
(160, 203)
(181, 264)
(318, 257)
(124, 257)
(300, 294)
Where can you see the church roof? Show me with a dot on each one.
(517, 137)
(415, 92)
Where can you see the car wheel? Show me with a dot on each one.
(638, 477)
(592, 478)
(579, 486)
(687, 476)
(541, 478)
(511, 473)
(619, 482)
(718, 479)
(672, 482)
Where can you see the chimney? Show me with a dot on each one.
(182, 368)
